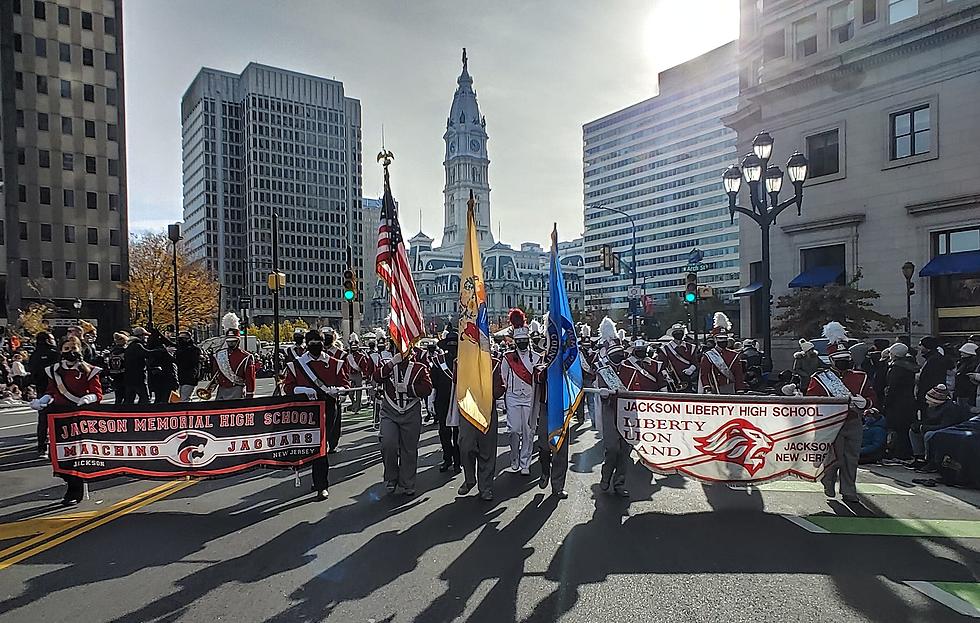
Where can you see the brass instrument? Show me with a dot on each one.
(205, 393)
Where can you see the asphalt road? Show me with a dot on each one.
(257, 548)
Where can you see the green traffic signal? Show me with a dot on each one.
(690, 297)
(348, 295)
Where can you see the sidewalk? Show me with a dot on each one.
(902, 478)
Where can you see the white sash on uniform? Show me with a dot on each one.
(719, 362)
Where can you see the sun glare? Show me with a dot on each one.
(678, 30)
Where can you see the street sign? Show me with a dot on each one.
(695, 256)
(633, 293)
(705, 292)
(694, 268)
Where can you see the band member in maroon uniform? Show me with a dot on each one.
(404, 384)
(611, 349)
(721, 368)
(359, 367)
(317, 376)
(843, 382)
(71, 383)
(296, 349)
(639, 372)
(681, 359)
(235, 366)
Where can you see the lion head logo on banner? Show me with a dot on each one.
(739, 442)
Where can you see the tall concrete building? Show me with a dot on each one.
(268, 140)
(660, 161)
(881, 96)
(514, 277)
(62, 132)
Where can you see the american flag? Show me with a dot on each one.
(405, 324)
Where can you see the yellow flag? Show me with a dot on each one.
(474, 372)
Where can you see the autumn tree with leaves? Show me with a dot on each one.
(151, 273)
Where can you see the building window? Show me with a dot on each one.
(42, 121)
(69, 270)
(90, 164)
(115, 272)
(774, 46)
(87, 57)
(19, 118)
(21, 156)
(113, 203)
(22, 230)
(69, 234)
(68, 198)
(86, 20)
(93, 235)
(869, 11)
(67, 162)
(22, 193)
(111, 96)
(110, 61)
(90, 129)
(958, 241)
(88, 92)
(823, 153)
(47, 270)
(900, 10)
(842, 22)
(40, 47)
(44, 195)
(64, 52)
(91, 201)
(113, 167)
(64, 17)
(66, 88)
(39, 12)
(93, 271)
(43, 158)
(832, 255)
(114, 238)
(112, 132)
(18, 80)
(910, 132)
(45, 232)
(42, 84)
(25, 268)
(110, 26)
(66, 125)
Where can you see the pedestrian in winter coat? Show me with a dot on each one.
(900, 406)
(134, 377)
(941, 412)
(967, 376)
(188, 357)
(806, 362)
(18, 372)
(873, 437)
(161, 367)
(116, 364)
(933, 372)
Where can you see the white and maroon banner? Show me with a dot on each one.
(732, 438)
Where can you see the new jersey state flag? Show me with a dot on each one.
(474, 372)
(563, 358)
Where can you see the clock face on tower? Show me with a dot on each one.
(474, 145)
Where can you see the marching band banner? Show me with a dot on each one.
(732, 438)
(186, 439)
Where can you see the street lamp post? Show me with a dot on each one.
(908, 271)
(77, 304)
(765, 208)
(277, 281)
(173, 232)
(632, 255)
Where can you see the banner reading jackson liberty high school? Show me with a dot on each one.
(732, 438)
(186, 439)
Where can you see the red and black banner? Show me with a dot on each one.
(217, 438)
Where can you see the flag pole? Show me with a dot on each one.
(385, 157)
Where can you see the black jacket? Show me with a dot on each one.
(933, 373)
(161, 369)
(188, 364)
(42, 357)
(135, 362)
(900, 407)
(964, 387)
(945, 415)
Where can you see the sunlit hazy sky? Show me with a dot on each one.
(541, 70)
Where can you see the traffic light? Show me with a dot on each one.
(691, 291)
(608, 259)
(350, 285)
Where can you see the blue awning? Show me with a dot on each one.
(752, 288)
(961, 263)
(817, 277)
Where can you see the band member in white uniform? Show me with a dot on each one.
(517, 371)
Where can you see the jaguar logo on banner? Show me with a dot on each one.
(732, 438)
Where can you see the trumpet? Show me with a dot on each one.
(205, 393)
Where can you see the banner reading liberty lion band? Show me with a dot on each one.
(189, 439)
(732, 438)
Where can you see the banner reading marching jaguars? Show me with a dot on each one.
(217, 438)
(732, 438)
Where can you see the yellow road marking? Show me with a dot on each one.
(39, 525)
(29, 526)
(17, 450)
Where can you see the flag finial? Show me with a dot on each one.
(385, 157)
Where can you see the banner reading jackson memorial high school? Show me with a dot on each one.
(732, 438)
(187, 439)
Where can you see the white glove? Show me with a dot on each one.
(859, 402)
(396, 358)
(36, 405)
(309, 392)
(333, 391)
(605, 392)
(690, 370)
(974, 376)
(87, 399)
(39, 403)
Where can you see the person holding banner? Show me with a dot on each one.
(478, 449)
(721, 369)
(680, 358)
(235, 366)
(71, 383)
(403, 384)
(442, 368)
(517, 371)
(318, 376)
(842, 382)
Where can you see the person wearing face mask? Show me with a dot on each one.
(680, 358)
(235, 367)
(71, 383)
(442, 370)
(639, 372)
(188, 357)
(842, 381)
(721, 370)
(295, 350)
(517, 371)
(318, 376)
(359, 367)
(403, 384)
(161, 367)
(44, 356)
(611, 350)
(899, 401)
(478, 450)
(933, 371)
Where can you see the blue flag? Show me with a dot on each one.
(563, 359)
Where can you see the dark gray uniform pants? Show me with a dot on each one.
(400, 444)
(478, 453)
(847, 447)
(616, 450)
(553, 464)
